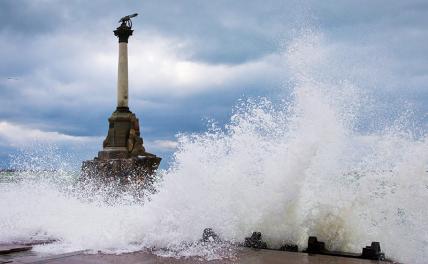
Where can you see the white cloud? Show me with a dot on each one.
(15, 135)
(156, 67)
(164, 145)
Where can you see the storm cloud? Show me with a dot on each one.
(190, 61)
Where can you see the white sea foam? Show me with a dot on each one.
(288, 170)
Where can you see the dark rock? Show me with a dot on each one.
(289, 248)
(255, 241)
(210, 236)
(112, 178)
(135, 169)
(315, 246)
(373, 252)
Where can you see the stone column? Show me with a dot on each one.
(122, 76)
(123, 32)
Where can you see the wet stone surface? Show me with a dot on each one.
(243, 255)
(11, 248)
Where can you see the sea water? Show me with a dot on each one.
(300, 168)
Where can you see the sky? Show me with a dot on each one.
(189, 62)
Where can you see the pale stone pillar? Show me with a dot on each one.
(122, 76)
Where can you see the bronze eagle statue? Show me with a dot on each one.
(127, 19)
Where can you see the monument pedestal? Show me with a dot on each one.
(123, 158)
(111, 178)
(136, 170)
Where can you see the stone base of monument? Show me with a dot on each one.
(123, 162)
(137, 169)
(113, 177)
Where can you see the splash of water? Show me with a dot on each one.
(290, 170)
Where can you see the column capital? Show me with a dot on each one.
(123, 109)
(123, 32)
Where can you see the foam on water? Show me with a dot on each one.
(288, 170)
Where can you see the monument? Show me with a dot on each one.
(123, 157)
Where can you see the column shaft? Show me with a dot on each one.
(122, 76)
